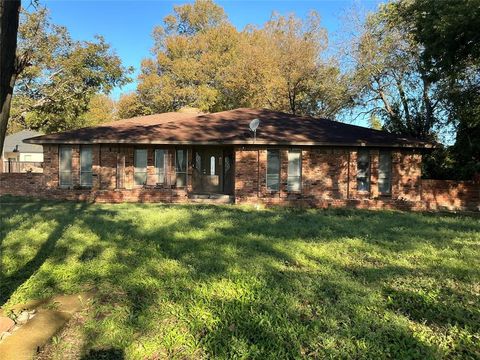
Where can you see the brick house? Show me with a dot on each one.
(181, 157)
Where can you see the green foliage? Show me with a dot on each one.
(202, 61)
(448, 34)
(58, 77)
(440, 164)
(101, 108)
(417, 65)
(129, 105)
(391, 77)
(233, 282)
(448, 30)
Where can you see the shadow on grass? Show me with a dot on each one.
(104, 354)
(64, 216)
(233, 282)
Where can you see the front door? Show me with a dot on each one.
(208, 171)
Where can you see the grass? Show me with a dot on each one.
(234, 282)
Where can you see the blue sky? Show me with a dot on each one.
(128, 25)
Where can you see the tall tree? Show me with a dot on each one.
(129, 105)
(392, 78)
(191, 47)
(202, 61)
(448, 33)
(57, 76)
(101, 108)
(282, 66)
(9, 19)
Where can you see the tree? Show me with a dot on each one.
(281, 66)
(58, 77)
(392, 79)
(447, 32)
(202, 61)
(129, 105)
(191, 48)
(9, 19)
(101, 108)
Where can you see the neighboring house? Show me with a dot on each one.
(181, 157)
(18, 156)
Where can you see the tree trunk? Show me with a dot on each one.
(9, 18)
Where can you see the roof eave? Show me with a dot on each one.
(232, 142)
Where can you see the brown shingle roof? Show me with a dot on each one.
(229, 127)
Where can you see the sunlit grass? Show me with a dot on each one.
(234, 282)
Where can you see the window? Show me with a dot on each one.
(86, 165)
(273, 170)
(160, 165)
(65, 165)
(363, 170)
(385, 173)
(294, 170)
(212, 165)
(181, 167)
(121, 169)
(140, 166)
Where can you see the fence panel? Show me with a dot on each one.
(10, 166)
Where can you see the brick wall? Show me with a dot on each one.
(328, 179)
(451, 195)
(22, 184)
(104, 186)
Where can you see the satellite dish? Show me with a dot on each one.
(253, 126)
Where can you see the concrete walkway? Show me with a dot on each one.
(51, 316)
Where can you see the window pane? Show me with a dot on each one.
(140, 178)
(65, 165)
(294, 163)
(86, 179)
(140, 166)
(86, 158)
(273, 182)
(198, 161)
(160, 165)
(293, 183)
(273, 161)
(385, 172)
(65, 158)
(181, 167)
(363, 170)
(212, 165)
(181, 160)
(65, 178)
(181, 180)
(140, 159)
(273, 170)
(384, 186)
(294, 170)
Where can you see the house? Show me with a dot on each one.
(182, 157)
(18, 156)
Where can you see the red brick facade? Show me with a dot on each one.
(451, 195)
(328, 178)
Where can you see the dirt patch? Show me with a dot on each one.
(38, 322)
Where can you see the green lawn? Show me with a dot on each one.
(234, 282)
